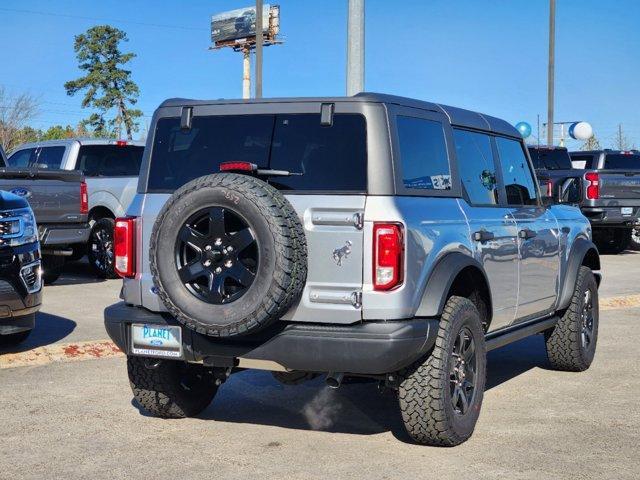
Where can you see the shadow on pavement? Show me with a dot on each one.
(49, 329)
(77, 273)
(255, 397)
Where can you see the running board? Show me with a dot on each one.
(518, 332)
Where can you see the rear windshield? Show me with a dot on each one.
(555, 159)
(619, 161)
(582, 161)
(110, 160)
(319, 158)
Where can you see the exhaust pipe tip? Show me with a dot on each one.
(334, 380)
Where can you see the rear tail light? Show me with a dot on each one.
(121, 143)
(388, 253)
(84, 198)
(238, 167)
(124, 246)
(593, 188)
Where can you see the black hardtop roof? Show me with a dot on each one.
(604, 150)
(457, 116)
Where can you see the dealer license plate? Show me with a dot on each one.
(156, 340)
(626, 210)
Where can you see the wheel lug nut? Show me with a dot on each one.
(206, 263)
(218, 242)
(207, 248)
(228, 264)
(218, 270)
(229, 248)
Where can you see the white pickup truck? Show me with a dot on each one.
(111, 169)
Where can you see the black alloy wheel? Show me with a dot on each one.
(462, 374)
(216, 255)
(100, 248)
(587, 320)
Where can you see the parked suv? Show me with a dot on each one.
(111, 170)
(20, 282)
(370, 236)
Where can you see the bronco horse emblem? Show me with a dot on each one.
(342, 252)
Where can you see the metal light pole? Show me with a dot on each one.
(355, 47)
(551, 73)
(259, 42)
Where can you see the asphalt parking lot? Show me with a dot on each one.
(64, 417)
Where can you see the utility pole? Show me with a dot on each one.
(621, 143)
(259, 42)
(355, 47)
(246, 73)
(551, 73)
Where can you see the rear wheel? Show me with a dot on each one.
(51, 268)
(440, 397)
(612, 241)
(635, 239)
(169, 388)
(100, 248)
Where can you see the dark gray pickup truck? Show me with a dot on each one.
(605, 184)
(60, 203)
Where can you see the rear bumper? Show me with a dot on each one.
(611, 216)
(61, 235)
(369, 348)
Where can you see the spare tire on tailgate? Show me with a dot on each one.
(228, 255)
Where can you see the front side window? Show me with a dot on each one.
(477, 167)
(50, 157)
(423, 154)
(516, 173)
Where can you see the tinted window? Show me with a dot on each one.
(324, 158)
(477, 167)
(582, 161)
(517, 176)
(423, 154)
(22, 158)
(550, 159)
(50, 157)
(110, 160)
(328, 157)
(618, 161)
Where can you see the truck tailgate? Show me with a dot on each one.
(54, 195)
(617, 184)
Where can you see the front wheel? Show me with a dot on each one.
(635, 239)
(571, 344)
(14, 338)
(170, 388)
(100, 248)
(440, 397)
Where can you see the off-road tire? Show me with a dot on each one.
(635, 239)
(99, 262)
(613, 241)
(424, 392)
(14, 338)
(565, 348)
(281, 275)
(170, 388)
(51, 268)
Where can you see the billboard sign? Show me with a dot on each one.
(238, 24)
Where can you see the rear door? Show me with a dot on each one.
(327, 185)
(492, 226)
(538, 235)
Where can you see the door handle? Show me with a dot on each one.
(526, 234)
(483, 236)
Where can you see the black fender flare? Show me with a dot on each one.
(579, 250)
(441, 279)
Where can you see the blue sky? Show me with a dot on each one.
(488, 56)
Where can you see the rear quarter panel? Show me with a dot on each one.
(114, 193)
(572, 225)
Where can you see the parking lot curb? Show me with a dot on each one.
(616, 303)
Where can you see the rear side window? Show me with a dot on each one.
(50, 157)
(477, 167)
(620, 161)
(109, 160)
(22, 158)
(423, 154)
(517, 176)
(550, 159)
(582, 161)
(319, 158)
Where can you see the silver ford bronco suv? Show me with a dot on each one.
(368, 236)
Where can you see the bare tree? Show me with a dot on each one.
(15, 112)
(591, 143)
